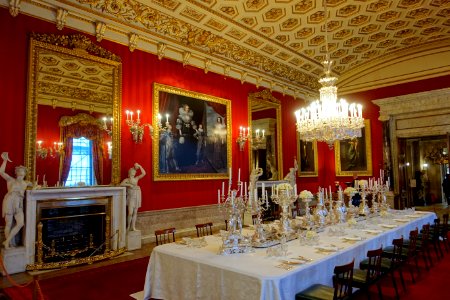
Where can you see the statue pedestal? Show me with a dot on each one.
(134, 240)
(14, 260)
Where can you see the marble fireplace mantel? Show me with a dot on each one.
(118, 215)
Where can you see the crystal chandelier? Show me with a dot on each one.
(327, 120)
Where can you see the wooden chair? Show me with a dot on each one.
(342, 286)
(435, 238)
(363, 279)
(204, 229)
(163, 236)
(443, 231)
(423, 242)
(409, 252)
(390, 264)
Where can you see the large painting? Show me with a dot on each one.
(307, 154)
(192, 135)
(355, 156)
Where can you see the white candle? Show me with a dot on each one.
(263, 188)
(167, 118)
(223, 188)
(138, 113)
(131, 116)
(239, 175)
(295, 189)
(263, 133)
(218, 196)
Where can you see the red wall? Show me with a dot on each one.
(140, 71)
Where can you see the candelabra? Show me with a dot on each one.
(107, 126)
(41, 151)
(363, 207)
(243, 137)
(233, 241)
(320, 212)
(255, 205)
(340, 210)
(57, 150)
(136, 128)
(284, 196)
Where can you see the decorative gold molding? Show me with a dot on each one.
(75, 41)
(79, 118)
(131, 11)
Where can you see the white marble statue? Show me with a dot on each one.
(134, 197)
(254, 175)
(292, 175)
(13, 201)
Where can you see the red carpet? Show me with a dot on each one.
(430, 285)
(115, 281)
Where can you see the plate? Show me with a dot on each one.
(388, 226)
(291, 262)
(373, 231)
(401, 220)
(352, 238)
(327, 248)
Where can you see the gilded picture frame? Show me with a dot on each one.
(308, 165)
(355, 156)
(192, 138)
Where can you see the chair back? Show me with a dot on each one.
(396, 258)
(444, 224)
(374, 265)
(436, 229)
(164, 236)
(204, 229)
(413, 235)
(425, 235)
(342, 280)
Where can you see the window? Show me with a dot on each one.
(81, 167)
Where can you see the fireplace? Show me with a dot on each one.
(72, 226)
(72, 229)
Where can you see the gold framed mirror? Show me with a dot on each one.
(265, 144)
(72, 80)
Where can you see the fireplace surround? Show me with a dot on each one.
(52, 214)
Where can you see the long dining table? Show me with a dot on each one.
(176, 271)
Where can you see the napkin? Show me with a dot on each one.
(388, 225)
(401, 220)
(373, 231)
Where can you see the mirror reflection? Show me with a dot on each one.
(265, 144)
(72, 116)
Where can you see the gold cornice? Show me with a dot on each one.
(130, 11)
(75, 42)
(79, 118)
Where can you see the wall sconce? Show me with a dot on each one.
(57, 150)
(40, 151)
(107, 128)
(109, 149)
(243, 137)
(136, 128)
(160, 126)
(259, 135)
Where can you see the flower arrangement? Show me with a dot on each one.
(310, 234)
(351, 221)
(350, 191)
(284, 186)
(305, 194)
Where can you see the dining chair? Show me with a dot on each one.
(443, 231)
(164, 236)
(435, 238)
(390, 264)
(423, 241)
(204, 229)
(342, 286)
(409, 252)
(364, 279)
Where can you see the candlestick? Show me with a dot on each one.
(223, 188)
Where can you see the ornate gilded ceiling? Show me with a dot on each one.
(278, 43)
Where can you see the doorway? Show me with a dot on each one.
(423, 164)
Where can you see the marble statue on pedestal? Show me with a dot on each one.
(12, 209)
(292, 175)
(134, 197)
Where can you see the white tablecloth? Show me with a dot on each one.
(179, 272)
